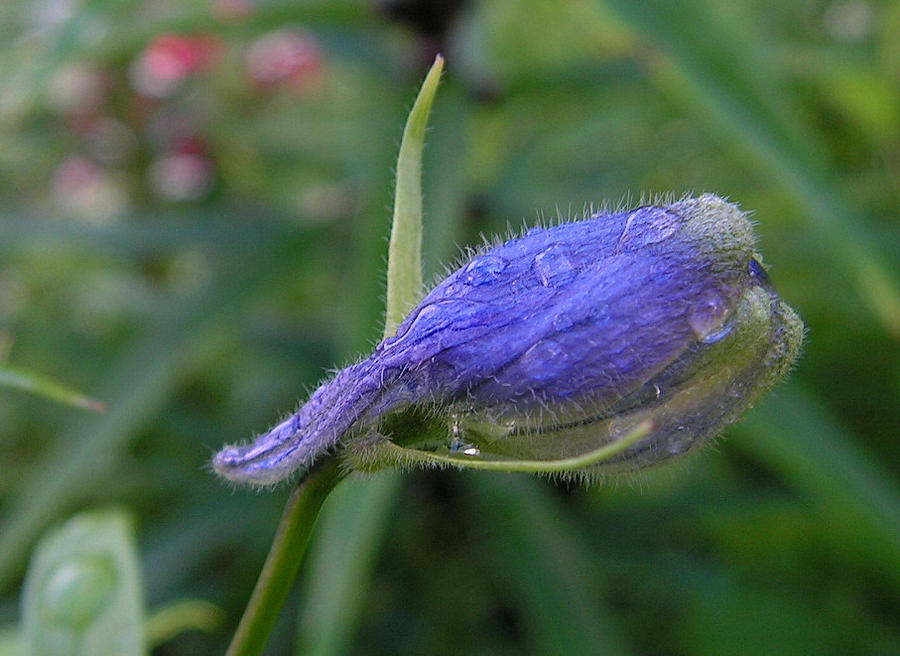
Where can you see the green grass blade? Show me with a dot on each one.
(136, 389)
(179, 616)
(349, 537)
(797, 436)
(539, 557)
(43, 386)
(404, 274)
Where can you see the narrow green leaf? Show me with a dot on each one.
(166, 350)
(404, 274)
(179, 616)
(352, 525)
(797, 436)
(82, 592)
(42, 386)
(538, 555)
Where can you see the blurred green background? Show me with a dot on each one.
(194, 205)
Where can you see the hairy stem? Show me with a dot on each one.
(403, 290)
(285, 556)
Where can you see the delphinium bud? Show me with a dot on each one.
(560, 341)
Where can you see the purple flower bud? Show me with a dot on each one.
(560, 341)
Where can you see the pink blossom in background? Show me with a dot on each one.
(285, 58)
(181, 176)
(171, 58)
(83, 188)
(78, 89)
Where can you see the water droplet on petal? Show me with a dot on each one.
(483, 270)
(417, 321)
(758, 273)
(562, 321)
(553, 267)
(646, 226)
(707, 319)
(680, 442)
(542, 361)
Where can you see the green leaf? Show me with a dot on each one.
(403, 290)
(42, 386)
(404, 274)
(82, 591)
(11, 642)
(179, 616)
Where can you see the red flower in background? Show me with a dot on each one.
(171, 58)
(285, 58)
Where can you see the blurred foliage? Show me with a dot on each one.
(193, 224)
(82, 592)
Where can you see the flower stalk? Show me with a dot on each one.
(404, 288)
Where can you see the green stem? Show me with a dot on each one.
(403, 290)
(284, 557)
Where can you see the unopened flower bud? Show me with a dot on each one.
(558, 342)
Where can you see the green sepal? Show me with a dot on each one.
(374, 452)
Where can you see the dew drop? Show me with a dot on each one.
(646, 226)
(562, 321)
(758, 272)
(454, 425)
(458, 445)
(678, 447)
(483, 270)
(553, 268)
(543, 360)
(622, 427)
(418, 321)
(707, 319)
(680, 442)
